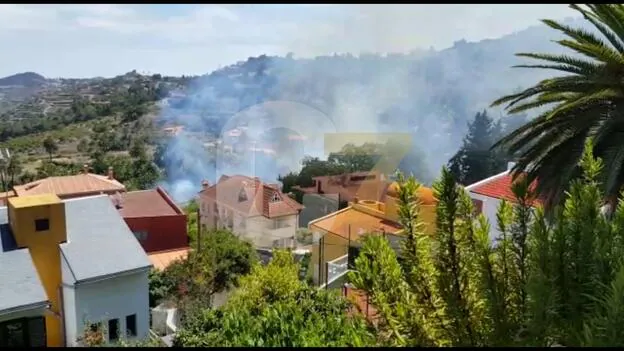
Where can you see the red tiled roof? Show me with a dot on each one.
(258, 197)
(72, 185)
(146, 203)
(499, 187)
(164, 259)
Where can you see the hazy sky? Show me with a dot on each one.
(106, 40)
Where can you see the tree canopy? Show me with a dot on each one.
(539, 283)
(274, 308)
(584, 102)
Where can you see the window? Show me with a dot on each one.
(141, 235)
(276, 197)
(280, 223)
(478, 206)
(42, 224)
(131, 327)
(242, 195)
(24, 332)
(113, 329)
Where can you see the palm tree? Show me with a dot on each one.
(586, 102)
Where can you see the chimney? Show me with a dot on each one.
(110, 175)
(205, 184)
(319, 187)
(85, 168)
(510, 165)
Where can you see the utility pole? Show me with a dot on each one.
(198, 229)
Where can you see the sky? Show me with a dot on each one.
(88, 40)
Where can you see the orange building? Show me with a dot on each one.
(339, 232)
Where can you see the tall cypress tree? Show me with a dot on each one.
(475, 161)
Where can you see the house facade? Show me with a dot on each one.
(66, 266)
(338, 234)
(488, 193)
(254, 210)
(154, 218)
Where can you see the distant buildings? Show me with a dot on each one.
(66, 263)
(255, 210)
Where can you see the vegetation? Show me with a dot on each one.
(215, 267)
(274, 308)
(582, 103)
(475, 160)
(540, 283)
(351, 158)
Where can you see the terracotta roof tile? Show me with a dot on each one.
(498, 187)
(357, 222)
(256, 197)
(163, 259)
(72, 185)
(146, 203)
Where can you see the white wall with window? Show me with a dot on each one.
(119, 305)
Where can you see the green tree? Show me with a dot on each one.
(273, 308)
(541, 282)
(50, 146)
(213, 267)
(583, 102)
(475, 160)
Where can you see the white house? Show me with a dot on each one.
(79, 263)
(487, 194)
(252, 209)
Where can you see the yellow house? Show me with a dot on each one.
(61, 261)
(339, 232)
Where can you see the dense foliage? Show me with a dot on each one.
(584, 102)
(539, 283)
(475, 160)
(216, 266)
(274, 308)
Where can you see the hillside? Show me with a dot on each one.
(26, 79)
(431, 95)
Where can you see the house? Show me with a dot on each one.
(156, 221)
(338, 233)
(364, 185)
(255, 210)
(72, 186)
(66, 263)
(487, 194)
(331, 193)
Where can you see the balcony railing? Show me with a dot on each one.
(336, 269)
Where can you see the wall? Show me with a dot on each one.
(164, 233)
(490, 207)
(262, 232)
(112, 298)
(70, 319)
(44, 249)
